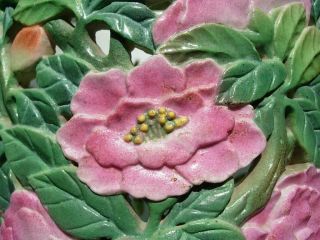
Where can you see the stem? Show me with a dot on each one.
(253, 193)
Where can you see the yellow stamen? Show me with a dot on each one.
(128, 137)
(162, 110)
(169, 127)
(181, 121)
(134, 130)
(141, 118)
(138, 140)
(162, 120)
(171, 115)
(152, 113)
(144, 127)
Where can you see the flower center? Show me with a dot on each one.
(154, 124)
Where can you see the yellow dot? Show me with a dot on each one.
(138, 140)
(162, 110)
(134, 130)
(152, 113)
(181, 121)
(144, 127)
(162, 120)
(141, 118)
(169, 127)
(171, 115)
(128, 137)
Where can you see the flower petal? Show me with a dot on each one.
(126, 112)
(100, 180)
(154, 184)
(74, 134)
(183, 14)
(214, 164)
(110, 150)
(99, 92)
(155, 78)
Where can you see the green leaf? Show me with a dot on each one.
(289, 23)
(305, 119)
(260, 29)
(246, 81)
(30, 151)
(79, 211)
(304, 61)
(60, 77)
(133, 21)
(204, 229)
(264, 116)
(35, 108)
(209, 41)
(30, 12)
(200, 205)
(6, 23)
(6, 188)
(316, 11)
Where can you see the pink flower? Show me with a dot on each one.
(26, 219)
(184, 14)
(195, 141)
(293, 211)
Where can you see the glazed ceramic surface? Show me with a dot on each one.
(215, 136)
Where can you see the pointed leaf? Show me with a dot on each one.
(200, 205)
(247, 81)
(132, 21)
(79, 211)
(316, 11)
(209, 41)
(304, 61)
(60, 77)
(30, 151)
(6, 188)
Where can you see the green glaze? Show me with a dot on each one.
(38, 151)
(6, 188)
(209, 41)
(289, 23)
(260, 29)
(133, 21)
(247, 81)
(35, 108)
(304, 61)
(316, 11)
(305, 119)
(79, 211)
(59, 76)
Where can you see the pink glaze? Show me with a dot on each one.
(184, 14)
(293, 210)
(26, 219)
(214, 144)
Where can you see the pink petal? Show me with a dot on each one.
(207, 126)
(183, 14)
(184, 104)
(213, 164)
(203, 74)
(99, 92)
(100, 180)
(26, 219)
(247, 140)
(124, 116)
(155, 78)
(110, 150)
(74, 134)
(154, 184)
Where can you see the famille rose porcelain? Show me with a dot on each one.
(214, 136)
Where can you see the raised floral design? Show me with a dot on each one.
(293, 210)
(211, 143)
(184, 14)
(26, 219)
